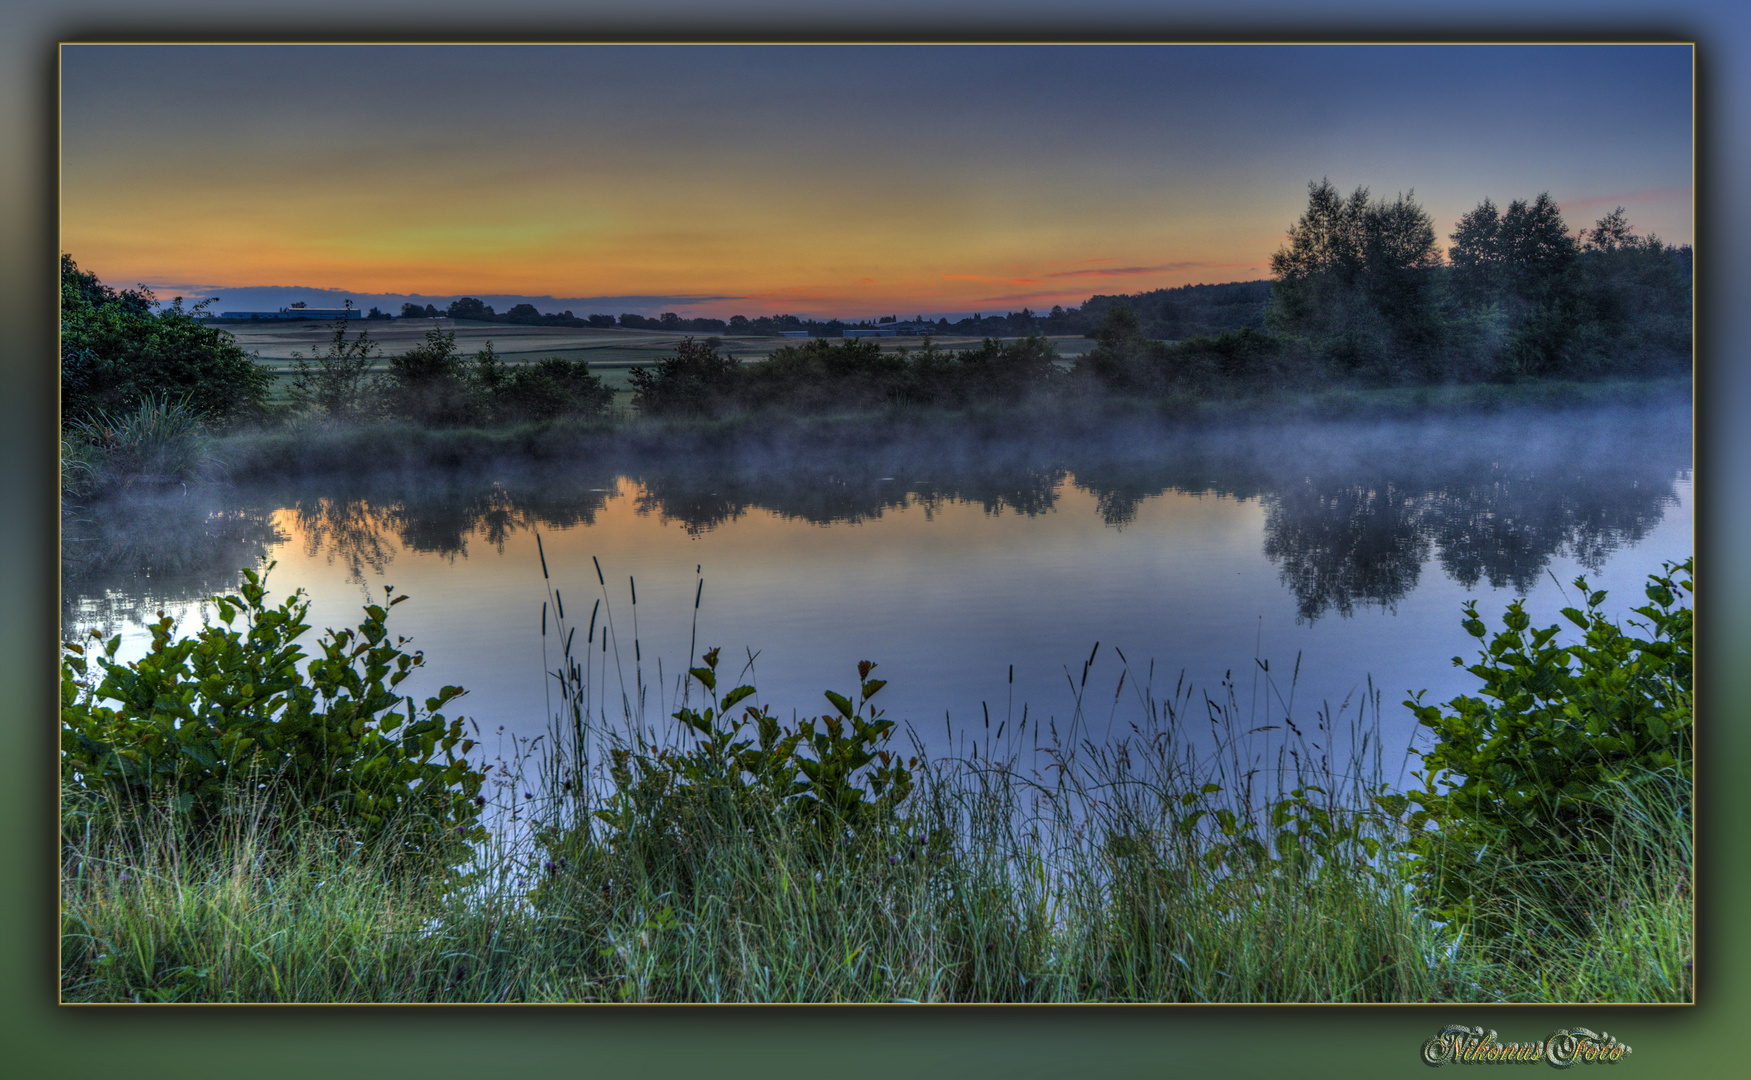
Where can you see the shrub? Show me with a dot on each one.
(549, 389)
(696, 381)
(333, 380)
(1531, 773)
(1125, 359)
(198, 717)
(820, 375)
(116, 354)
(429, 384)
(829, 779)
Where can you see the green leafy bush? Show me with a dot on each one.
(198, 718)
(696, 381)
(430, 383)
(829, 779)
(333, 379)
(1530, 774)
(116, 352)
(549, 389)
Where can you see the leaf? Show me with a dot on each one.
(841, 703)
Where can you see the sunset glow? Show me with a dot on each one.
(842, 181)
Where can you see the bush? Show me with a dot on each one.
(1531, 774)
(428, 384)
(696, 381)
(830, 779)
(820, 374)
(333, 380)
(116, 354)
(549, 389)
(198, 718)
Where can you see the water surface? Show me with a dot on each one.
(978, 576)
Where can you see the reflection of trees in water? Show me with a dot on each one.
(439, 516)
(124, 559)
(1499, 513)
(1350, 515)
(841, 493)
(1120, 488)
(1342, 545)
(347, 529)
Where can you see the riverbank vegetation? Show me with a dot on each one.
(1365, 313)
(732, 855)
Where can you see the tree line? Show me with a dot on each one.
(1361, 293)
(1010, 324)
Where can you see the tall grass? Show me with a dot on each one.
(160, 441)
(1212, 853)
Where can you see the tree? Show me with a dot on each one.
(469, 308)
(1124, 358)
(1537, 252)
(549, 389)
(1636, 295)
(1476, 255)
(116, 353)
(428, 383)
(1516, 273)
(413, 311)
(333, 380)
(695, 381)
(1613, 233)
(1355, 282)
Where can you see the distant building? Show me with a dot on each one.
(893, 329)
(793, 333)
(326, 314)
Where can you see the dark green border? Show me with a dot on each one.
(39, 1039)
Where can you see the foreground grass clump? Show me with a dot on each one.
(267, 906)
(161, 440)
(733, 856)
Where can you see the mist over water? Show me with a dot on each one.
(949, 563)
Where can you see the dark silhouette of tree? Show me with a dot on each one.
(116, 352)
(469, 308)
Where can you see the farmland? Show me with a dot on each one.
(611, 352)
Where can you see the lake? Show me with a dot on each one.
(979, 575)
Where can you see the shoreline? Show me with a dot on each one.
(387, 447)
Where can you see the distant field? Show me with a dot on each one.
(609, 351)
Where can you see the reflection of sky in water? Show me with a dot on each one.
(946, 594)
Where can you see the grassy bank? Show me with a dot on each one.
(1081, 887)
(318, 448)
(720, 859)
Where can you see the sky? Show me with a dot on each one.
(842, 181)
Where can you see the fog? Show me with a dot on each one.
(979, 572)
